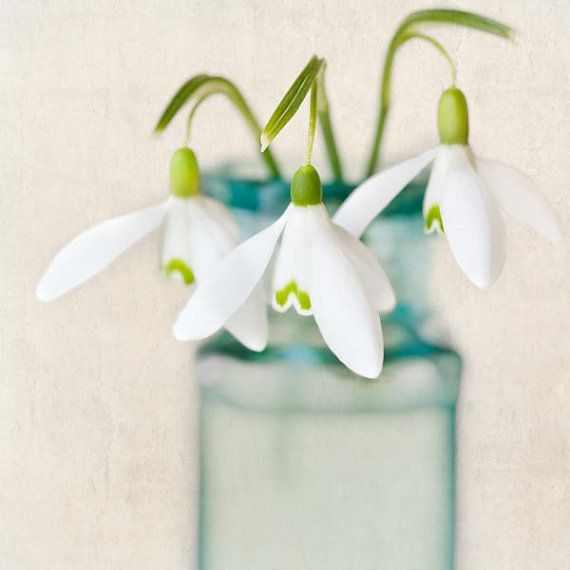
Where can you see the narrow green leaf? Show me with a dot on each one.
(291, 102)
(458, 18)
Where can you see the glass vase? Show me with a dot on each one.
(305, 465)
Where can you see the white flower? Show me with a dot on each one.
(464, 199)
(320, 269)
(199, 232)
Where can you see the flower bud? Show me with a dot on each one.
(453, 117)
(306, 188)
(184, 174)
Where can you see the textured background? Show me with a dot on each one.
(97, 410)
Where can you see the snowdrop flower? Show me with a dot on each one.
(199, 232)
(464, 199)
(320, 270)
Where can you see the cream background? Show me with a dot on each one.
(97, 410)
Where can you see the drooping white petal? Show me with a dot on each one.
(176, 259)
(373, 195)
(249, 323)
(291, 282)
(93, 250)
(210, 237)
(212, 234)
(226, 288)
(518, 196)
(349, 324)
(221, 214)
(370, 272)
(472, 222)
(434, 189)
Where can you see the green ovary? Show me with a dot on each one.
(434, 216)
(282, 295)
(178, 265)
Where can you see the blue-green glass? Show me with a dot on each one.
(305, 465)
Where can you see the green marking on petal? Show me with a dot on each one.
(434, 216)
(282, 295)
(180, 266)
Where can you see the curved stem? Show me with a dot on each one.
(312, 124)
(326, 126)
(397, 41)
(203, 87)
(190, 118)
(406, 32)
(439, 48)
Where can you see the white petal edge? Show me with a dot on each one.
(221, 214)
(519, 197)
(349, 324)
(249, 322)
(371, 274)
(472, 224)
(434, 189)
(293, 260)
(96, 248)
(227, 287)
(175, 242)
(367, 200)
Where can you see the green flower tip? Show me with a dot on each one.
(184, 174)
(453, 117)
(306, 188)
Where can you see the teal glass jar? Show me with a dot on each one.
(305, 465)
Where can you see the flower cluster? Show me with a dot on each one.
(321, 268)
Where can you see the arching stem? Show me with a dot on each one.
(201, 88)
(407, 31)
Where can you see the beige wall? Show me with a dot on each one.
(97, 448)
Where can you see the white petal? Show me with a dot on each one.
(367, 200)
(210, 236)
(472, 224)
(249, 322)
(434, 189)
(349, 324)
(518, 196)
(293, 260)
(226, 288)
(176, 242)
(93, 250)
(221, 214)
(370, 272)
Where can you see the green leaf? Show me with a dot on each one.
(458, 18)
(291, 102)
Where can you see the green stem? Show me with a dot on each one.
(203, 87)
(326, 126)
(406, 32)
(312, 124)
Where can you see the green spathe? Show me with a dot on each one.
(184, 174)
(453, 117)
(306, 188)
